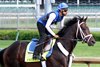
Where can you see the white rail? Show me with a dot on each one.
(17, 5)
(87, 60)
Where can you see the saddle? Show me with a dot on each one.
(47, 51)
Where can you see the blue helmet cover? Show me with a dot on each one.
(62, 6)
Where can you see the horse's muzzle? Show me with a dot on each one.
(91, 43)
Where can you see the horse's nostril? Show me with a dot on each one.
(93, 42)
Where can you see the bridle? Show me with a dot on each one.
(83, 35)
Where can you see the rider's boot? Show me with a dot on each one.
(39, 48)
(36, 53)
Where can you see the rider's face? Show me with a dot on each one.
(64, 12)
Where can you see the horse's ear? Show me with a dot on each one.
(86, 18)
(83, 17)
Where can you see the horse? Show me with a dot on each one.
(74, 30)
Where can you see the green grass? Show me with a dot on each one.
(5, 43)
(81, 50)
(88, 51)
(85, 65)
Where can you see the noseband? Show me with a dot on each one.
(83, 36)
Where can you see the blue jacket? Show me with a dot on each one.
(44, 18)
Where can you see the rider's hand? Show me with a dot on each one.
(56, 36)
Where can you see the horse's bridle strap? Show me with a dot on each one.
(90, 35)
(81, 32)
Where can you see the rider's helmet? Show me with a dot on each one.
(62, 6)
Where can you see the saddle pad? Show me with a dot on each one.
(31, 46)
(30, 49)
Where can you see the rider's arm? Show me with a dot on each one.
(52, 16)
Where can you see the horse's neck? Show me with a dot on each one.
(68, 37)
(71, 32)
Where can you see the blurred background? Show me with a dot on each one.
(18, 22)
(24, 15)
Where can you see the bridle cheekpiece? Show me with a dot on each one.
(82, 33)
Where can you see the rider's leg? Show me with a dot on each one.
(39, 45)
(43, 35)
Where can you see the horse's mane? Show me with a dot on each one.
(68, 24)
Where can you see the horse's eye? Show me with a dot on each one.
(83, 28)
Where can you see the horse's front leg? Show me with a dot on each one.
(57, 60)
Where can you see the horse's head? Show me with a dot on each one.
(83, 32)
(80, 30)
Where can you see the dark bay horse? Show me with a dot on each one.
(75, 29)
